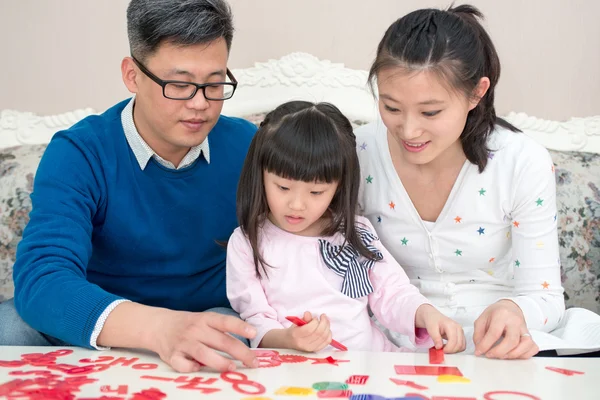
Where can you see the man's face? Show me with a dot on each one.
(171, 127)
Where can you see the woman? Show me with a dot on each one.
(464, 201)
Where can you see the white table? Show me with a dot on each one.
(126, 374)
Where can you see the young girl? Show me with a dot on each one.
(301, 251)
(465, 202)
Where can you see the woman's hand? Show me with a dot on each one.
(441, 327)
(501, 332)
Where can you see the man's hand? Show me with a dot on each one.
(184, 340)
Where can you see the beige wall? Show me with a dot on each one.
(57, 60)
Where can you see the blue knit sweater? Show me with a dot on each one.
(103, 229)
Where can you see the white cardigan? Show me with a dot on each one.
(495, 237)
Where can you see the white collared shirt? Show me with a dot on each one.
(143, 152)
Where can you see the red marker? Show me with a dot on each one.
(300, 322)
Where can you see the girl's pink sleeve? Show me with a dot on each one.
(244, 289)
(394, 300)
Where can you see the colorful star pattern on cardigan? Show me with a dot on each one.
(519, 224)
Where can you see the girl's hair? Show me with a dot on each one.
(454, 45)
(307, 142)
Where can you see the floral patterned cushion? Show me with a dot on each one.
(17, 168)
(578, 202)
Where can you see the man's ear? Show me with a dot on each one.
(479, 91)
(129, 72)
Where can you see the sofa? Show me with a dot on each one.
(573, 144)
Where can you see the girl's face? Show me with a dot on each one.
(297, 206)
(424, 117)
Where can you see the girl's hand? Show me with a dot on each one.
(501, 332)
(312, 337)
(441, 327)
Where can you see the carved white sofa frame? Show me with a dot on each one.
(301, 76)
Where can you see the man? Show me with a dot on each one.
(129, 206)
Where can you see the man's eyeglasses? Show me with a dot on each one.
(180, 90)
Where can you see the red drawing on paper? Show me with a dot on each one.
(420, 396)
(488, 395)
(121, 389)
(100, 359)
(267, 358)
(157, 378)
(12, 364)
(124, 361)
(239, 381)
(334, 394)
(144, 366)
(409, 384)
(358, 379)
(429, 370)
(327, 360)
(44, 387)
(568, 372)
(149, 394)
(292, 358)
(194, 383)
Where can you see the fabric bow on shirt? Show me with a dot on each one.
(347, 262)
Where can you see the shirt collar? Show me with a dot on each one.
(143, 152)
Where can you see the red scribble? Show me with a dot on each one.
(240, 381)
(121, 389)
(38, 359)
(195, 382)
(452, 398)
(358, 379)
(48, 388)
(79, 370)
(328, 360)
(292, 358)
(268, 363)
(196, 379)
(60, 353)
(265, 353)
(100, 359)
(12, 364)
(148, 394)
(267, 358)
(124, 361)
(409, 384)
(45, 373)
(568, 372)
(426, 370)
(145, 366)
(334, 394)
(157, 378)
(418, 395)
(488, 395)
